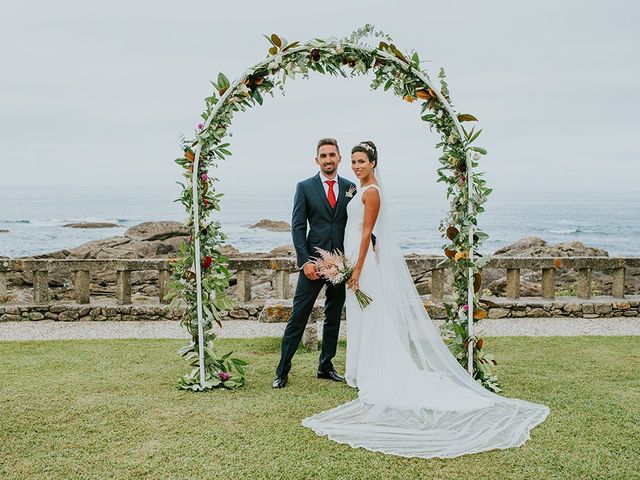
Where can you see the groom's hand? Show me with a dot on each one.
(309, 270)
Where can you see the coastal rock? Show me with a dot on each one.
(284, 251)
(272, 225)
(91, 225)
(524, 244)
(229, 250)
(153, 231)
(566, 279)
(499, 286)
(147, 240)
(113, 247)
(537, 247)
(3, 231)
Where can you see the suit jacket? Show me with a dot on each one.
(325, 224)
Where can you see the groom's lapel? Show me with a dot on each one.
(323, 196)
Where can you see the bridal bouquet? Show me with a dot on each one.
(335, 268)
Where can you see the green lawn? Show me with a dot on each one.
(109, 409)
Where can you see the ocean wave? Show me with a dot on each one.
(565, 231)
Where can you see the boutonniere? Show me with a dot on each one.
(350, 192)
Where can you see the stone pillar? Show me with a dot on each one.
(437, 284)
(4, 296)
(243, 288)
(310, 336)
(617, 289)
(549, 283)
(40, 286)
(163, 285)
(281, 282)
(82, 286)
(584, 283)
(123, 286)
(513, 283)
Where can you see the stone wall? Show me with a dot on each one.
(283, 270)
(567, 307)
(73, 312)
(279, 310)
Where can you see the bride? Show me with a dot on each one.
(414, 398)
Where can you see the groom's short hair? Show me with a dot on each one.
(327, 141)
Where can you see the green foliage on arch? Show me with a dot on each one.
(392, 70)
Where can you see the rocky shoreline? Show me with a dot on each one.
(156, 240)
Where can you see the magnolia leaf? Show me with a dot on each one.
(223, 81)
(480, 150)
(291, 45)
(477, 281)
(275, 39)
(466, 117)
(479, 314)
(257, 96)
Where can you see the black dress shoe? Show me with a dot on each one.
(332, 375)
(280, 382)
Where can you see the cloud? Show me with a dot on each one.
(98, 93)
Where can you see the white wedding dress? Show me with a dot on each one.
(414, 398)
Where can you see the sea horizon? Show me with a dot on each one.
(34, 216)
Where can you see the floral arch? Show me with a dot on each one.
(200, 274)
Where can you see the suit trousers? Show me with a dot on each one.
(306, 294)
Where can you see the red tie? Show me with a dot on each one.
(331, 195)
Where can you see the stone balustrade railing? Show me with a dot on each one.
(81, 272)
(282, 267)
(513, 265)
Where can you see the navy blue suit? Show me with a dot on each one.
(326, 226)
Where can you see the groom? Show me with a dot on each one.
(321, 202)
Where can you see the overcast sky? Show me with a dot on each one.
(98, 93)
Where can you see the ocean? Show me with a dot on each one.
(34, 217)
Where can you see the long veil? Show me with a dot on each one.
(415, 399)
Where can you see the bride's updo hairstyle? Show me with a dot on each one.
(369, 149)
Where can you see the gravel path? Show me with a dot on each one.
(51, 330)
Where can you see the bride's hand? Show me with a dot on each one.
(354, 281)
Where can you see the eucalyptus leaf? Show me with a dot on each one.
(480, 150)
